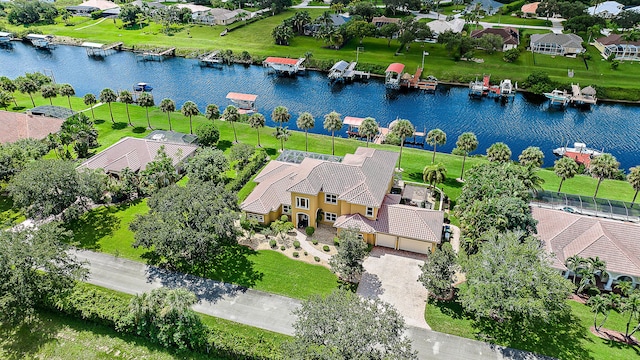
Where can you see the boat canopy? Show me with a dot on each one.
(241, 96)
(353, 121)
(395, 67)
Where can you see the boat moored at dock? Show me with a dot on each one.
(558, 98)
(142, 87)
(579, 152)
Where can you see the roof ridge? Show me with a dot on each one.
(575, 246)
(616, 243)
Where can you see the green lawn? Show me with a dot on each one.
(508, 19)
(567, 339)
(197, 39)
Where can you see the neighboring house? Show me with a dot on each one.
(16, 126)
(616, 46)
(353, 193)
(614, 242)
(87, 7)
(135, 154)
(557, 44)
(607, 9)
(336, 21)
(54, 111)
(510, 36)
(383, 20)
(529, 10)
(218, 16)
(439, 26)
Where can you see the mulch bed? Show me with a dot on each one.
(613, 335)
(581, 298)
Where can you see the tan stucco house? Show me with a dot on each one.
(352, 193)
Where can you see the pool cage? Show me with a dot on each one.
(586, 205)
(296, 157)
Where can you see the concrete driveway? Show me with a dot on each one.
(392, 276)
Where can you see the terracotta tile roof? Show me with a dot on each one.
(279, 60)
(530, 8)
(361, 178)
(16, 126)
(399, 220)
(568, 234)
(136, 154)
(509, 35)
(271, 192)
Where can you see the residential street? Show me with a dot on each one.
(263, 310)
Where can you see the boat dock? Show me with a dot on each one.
(284, 66)
(344, 71)
(212, 59)
(41, 41)
(478, 89)
(579, 152)
(393, 76)
(585, 96)
(101, 50)
(155, 56)
(246, 103)
(415, 81)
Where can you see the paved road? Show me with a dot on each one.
(266, 311)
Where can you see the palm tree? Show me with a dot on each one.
(232, 115)
(68, 91)
(628, 37)
(531, 156)
(146, 100)
(499, 152)
(369, 128)
(531, 178)
(402, 128)
(436, 137)
(573, 263)
(333, 123)
(9, 86)
(49, 92)
(602, 167)
(108, 96)
(634, 180)
(90, 100)
(282, 134)
(565, 168)
(212, 112)
(257, 121)
(168, 106)
(434, 174)
(305, 122)
(599, 304)
(126, 98)
(632, 306)
(625, 287)
(280, 115)
(467, 143)
(28, 86)
(190, 109)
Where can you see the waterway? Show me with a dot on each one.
(526, 121)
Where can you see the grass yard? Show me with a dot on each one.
(568, 339)
(508, 19)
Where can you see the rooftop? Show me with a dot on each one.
(395, 67)
(279, 60)
(509, 35)
(530, 8)
(52, 111)
(241, 96)
(16, 126)
(100, 4)
(616, 39)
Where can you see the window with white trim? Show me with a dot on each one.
(258, 217)
(286, 209)
(331, 217)
(331, 198)
(369, 211)
(302, 203)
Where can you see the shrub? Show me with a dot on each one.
(310, 230)
(317, 259)
(284, 218)
(296, 244)
(314, 241)
(326, 248)
(208, 134)
(336, 241)
(257, 160)
(296, 254)
(272, 243)
(283, 248)
(306, 253)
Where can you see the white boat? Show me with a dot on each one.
(506, 88)
(578, 148)
(477, 88)
(558, 97)
(142, 87)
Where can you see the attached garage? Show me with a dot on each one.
(417, 246)
(386, 240)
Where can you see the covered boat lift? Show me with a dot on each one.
(246, 103)
(41, 41)
(284, 65)
(393, 76)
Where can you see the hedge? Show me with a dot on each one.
(255, 163)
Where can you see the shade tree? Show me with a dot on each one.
(437, 274)
(347, 262)
(208, 135)
(207, 164)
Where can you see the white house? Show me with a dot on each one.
(607, 9)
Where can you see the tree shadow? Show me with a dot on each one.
(119, 125)
(271, 151)
(452, 309)
(232, 264)
(224, 145)
(25, 340)
(90, 228)
(18, 108)
(561, 337)
(370, 286)
(139, 129)
(99, 121)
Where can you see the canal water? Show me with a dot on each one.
(526, 121)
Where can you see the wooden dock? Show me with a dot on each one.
(212, 59)
(101, 50)
(581, 97)
(155, 56)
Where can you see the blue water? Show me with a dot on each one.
(521, 123)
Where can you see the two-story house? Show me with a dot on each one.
(352, 193)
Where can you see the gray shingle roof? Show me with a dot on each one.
(567, 234)
(566, 40)
(136, 154)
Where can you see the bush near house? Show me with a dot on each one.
(310, 230)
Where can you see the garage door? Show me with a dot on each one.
(416, 246)
(386, 240)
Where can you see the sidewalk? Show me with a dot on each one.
(306, 246)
